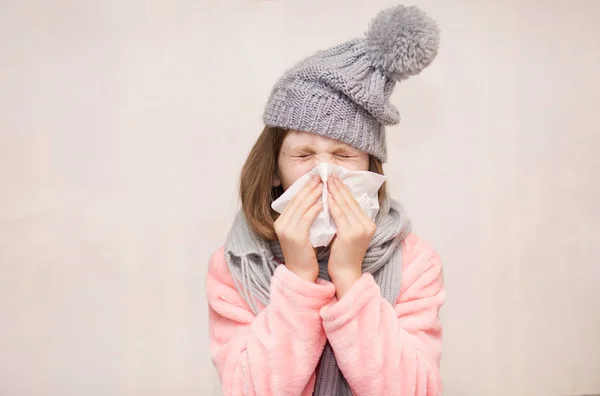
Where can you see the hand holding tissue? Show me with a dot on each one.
(364, 186)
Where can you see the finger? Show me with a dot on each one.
(299, 197)
(344, 191)
(354, 213)
(306, 190)
(342, 200)
(309, 217)
(338, 215)
(304, 205)
(353, 204)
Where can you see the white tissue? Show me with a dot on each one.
(364, 186)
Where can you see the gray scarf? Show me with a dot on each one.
(251, 261)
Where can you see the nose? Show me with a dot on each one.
(324, 157)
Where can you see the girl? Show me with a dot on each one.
(360, 316)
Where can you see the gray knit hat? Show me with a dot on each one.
(343, 92)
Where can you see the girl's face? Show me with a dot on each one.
(302, 151)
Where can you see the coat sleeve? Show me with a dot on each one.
(275, 352)
(385, 349)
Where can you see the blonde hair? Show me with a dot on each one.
(256, 181)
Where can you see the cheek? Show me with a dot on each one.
(290, 172)
(356, 164)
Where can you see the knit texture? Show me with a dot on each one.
(344, 92)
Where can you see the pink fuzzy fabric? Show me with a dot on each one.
(382, 349)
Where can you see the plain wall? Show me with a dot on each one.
(123, 127)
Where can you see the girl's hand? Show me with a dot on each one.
(293, 226)
(354, 233)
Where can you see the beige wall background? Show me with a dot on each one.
(123, 126)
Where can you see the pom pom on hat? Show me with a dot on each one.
(402, 41)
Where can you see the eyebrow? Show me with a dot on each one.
(337, 147)
(300, 148)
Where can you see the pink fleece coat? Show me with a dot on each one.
(382, 349)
